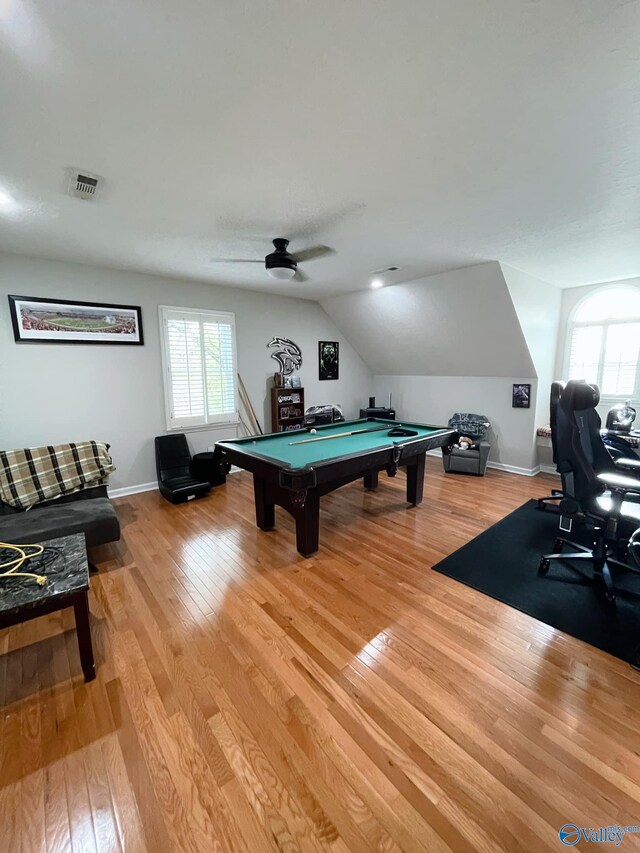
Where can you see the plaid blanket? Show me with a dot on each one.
(33, 475)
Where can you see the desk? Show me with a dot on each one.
(67, 585)
(295, 476)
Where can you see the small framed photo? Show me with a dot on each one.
(328, 359)
(287, 382)
(37, 320)
(295, 381)
(521, 396)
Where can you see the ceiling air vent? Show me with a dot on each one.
(83, 184)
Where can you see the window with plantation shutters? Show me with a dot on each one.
(603, 343)
(199, 363)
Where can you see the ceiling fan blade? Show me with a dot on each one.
(300, 276)
(237, 261)
(313, 253)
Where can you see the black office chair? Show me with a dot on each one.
(173, 466)
(597, 498)
(619, 450)
(554, 399)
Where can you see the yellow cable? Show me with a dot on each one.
(10, 567)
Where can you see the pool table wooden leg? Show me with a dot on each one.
(265, 512)
(415, 480)
(308, 525)
(371, 480)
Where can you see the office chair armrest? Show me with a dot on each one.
(631, 465)
(620, 483)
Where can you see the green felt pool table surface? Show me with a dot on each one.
(294, 473)
(283, 448)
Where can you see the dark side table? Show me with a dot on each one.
(67, 586)
(206, 466)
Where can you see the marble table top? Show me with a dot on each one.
(66, 573)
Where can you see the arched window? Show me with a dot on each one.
(603, 342)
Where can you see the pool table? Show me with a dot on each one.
(292, 471)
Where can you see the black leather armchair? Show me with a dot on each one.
(594, 490)
(173, 466)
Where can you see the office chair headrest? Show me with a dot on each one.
(582, 395)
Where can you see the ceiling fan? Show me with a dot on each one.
(282, 264)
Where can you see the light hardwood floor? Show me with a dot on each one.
(249, 699)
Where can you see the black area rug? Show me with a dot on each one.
(503, 563)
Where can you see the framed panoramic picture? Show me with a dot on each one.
(521, 397)
(328, 358)
(38, 320)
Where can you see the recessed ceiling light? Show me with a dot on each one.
(6, 199)
(8, 203)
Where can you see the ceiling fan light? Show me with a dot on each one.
(281, 273)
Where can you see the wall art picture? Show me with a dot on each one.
(288, 355)
(521, 397)
(38, 320)
(328, 359)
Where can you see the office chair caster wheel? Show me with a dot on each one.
(543, 568)
(558, 545)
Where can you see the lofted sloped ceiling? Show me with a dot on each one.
(459, 323)
(425, 134)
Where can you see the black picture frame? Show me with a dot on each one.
(29, 328)
(328, 359)
(521, 395)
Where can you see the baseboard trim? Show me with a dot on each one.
(549, 469)
(514, 469)
(509, 469)
(146, 487)
(498, 466)
(132, 490)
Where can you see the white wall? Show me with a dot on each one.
(458, 323)
(52, 393)
(433, 399)
(538, 306)
(451, 342)
(570, 298)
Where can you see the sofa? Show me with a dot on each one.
(88, 511)
(57, 490)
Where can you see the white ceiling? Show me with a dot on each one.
(428, 134)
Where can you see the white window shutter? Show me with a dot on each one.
(200, 367)
(220, 371)
(584, 353)
(621, 351)
(184, 356)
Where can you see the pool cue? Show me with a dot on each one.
(245, 426)
(339, 435)
(243, 391)
(244, 399)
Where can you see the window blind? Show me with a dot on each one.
(584, 353)
(621, 350)
(199, 367)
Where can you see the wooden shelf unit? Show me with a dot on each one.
(283, 402)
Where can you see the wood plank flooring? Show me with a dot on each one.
(248, 699)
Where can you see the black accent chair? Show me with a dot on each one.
(595, 498)
(173, 466)
(554, 399)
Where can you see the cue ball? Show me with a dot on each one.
(312, 431)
